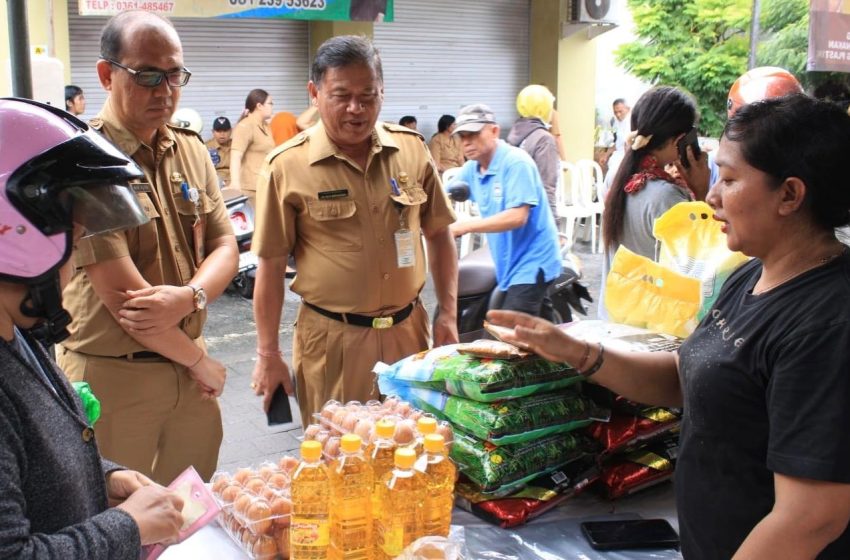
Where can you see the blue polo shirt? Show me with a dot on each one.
(512, 180)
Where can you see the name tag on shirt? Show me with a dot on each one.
(330, 195)
(141, 187)
(405, 253)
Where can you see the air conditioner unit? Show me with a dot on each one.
(595, 16)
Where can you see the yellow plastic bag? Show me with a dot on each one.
(692, 244)
(643, 293)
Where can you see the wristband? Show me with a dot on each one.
(269, 353)
(584, 358)
(600, 358)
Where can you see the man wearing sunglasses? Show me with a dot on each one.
(138, 300)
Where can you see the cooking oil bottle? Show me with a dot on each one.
(309, 535)
(351, 502)
(425, 425)
(401, 499)
(440, 474)
(380, 455)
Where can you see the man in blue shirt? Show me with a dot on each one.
(506, 185)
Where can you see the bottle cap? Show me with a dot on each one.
(405, 458)
(434, 443)
(350, 443)
(385, 428)
(426, 425)
(311, 450)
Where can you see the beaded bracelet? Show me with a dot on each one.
(600, 358)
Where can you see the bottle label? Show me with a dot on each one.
(309, 532)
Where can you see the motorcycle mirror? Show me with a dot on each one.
(458, 191)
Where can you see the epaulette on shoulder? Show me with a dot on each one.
(180, 129)
(392, 127)
(296, 140)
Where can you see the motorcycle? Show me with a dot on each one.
(478, 291)
(242, 220)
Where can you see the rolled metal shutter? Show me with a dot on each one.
(440, 55)
(227, 57)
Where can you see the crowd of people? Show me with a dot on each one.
(115, 262)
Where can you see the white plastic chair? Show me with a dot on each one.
(569, 204)
(591, 191)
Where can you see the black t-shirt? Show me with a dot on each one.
(766, 384)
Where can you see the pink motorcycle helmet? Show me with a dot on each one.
(55, 172)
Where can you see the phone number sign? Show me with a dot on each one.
(337, 10)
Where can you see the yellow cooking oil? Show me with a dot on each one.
(381, 455)
(351, 486)
(440, 475)
(309, 535)
(425, 426)
(401, 499)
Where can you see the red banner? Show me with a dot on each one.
(829, 36)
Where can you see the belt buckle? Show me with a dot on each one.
(382, 322)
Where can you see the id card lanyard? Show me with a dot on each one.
(404, 248)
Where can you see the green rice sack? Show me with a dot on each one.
(492, 467)
(479, 379)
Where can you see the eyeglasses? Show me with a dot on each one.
(152, 78)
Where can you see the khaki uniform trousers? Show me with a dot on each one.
(153, 419)
(333, 360)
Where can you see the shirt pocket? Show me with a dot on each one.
(148, 233)
(411, 196)
(336, 226)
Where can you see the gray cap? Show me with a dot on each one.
(473, 118)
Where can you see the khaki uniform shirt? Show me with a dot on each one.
(340, 221)
(163, 249)
(222, 168)
(255, 142)
(446, 151)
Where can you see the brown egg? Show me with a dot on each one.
(229, 494)
(445, 430)
(322, 437)
(246, 538)
(405, 431)
(389, 403)
(287, 464)
(220, 481)
(311, 431)
(281, 510)
(242, 504)
(259, 517)
(363, 428)
(282, 537)
(279, 481)
(332, 448)
(242, 475)
(350, 422)
(264, 548)
(329, 409)
(255, 485)
(339, 418)
(267, 470)
(403, 409)
(415, 414)
(354, 406)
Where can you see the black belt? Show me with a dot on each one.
(384, 322)
(146, 355)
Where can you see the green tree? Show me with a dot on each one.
(698, 45)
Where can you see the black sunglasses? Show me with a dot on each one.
(152, 78)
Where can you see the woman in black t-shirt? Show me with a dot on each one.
(764, 458)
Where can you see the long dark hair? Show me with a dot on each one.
(663, 112)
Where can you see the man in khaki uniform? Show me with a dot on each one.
(219, 148)
(138, 298)
(350, 199)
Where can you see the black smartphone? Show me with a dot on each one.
(630, 533)
(690, 139)
(280, 411)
